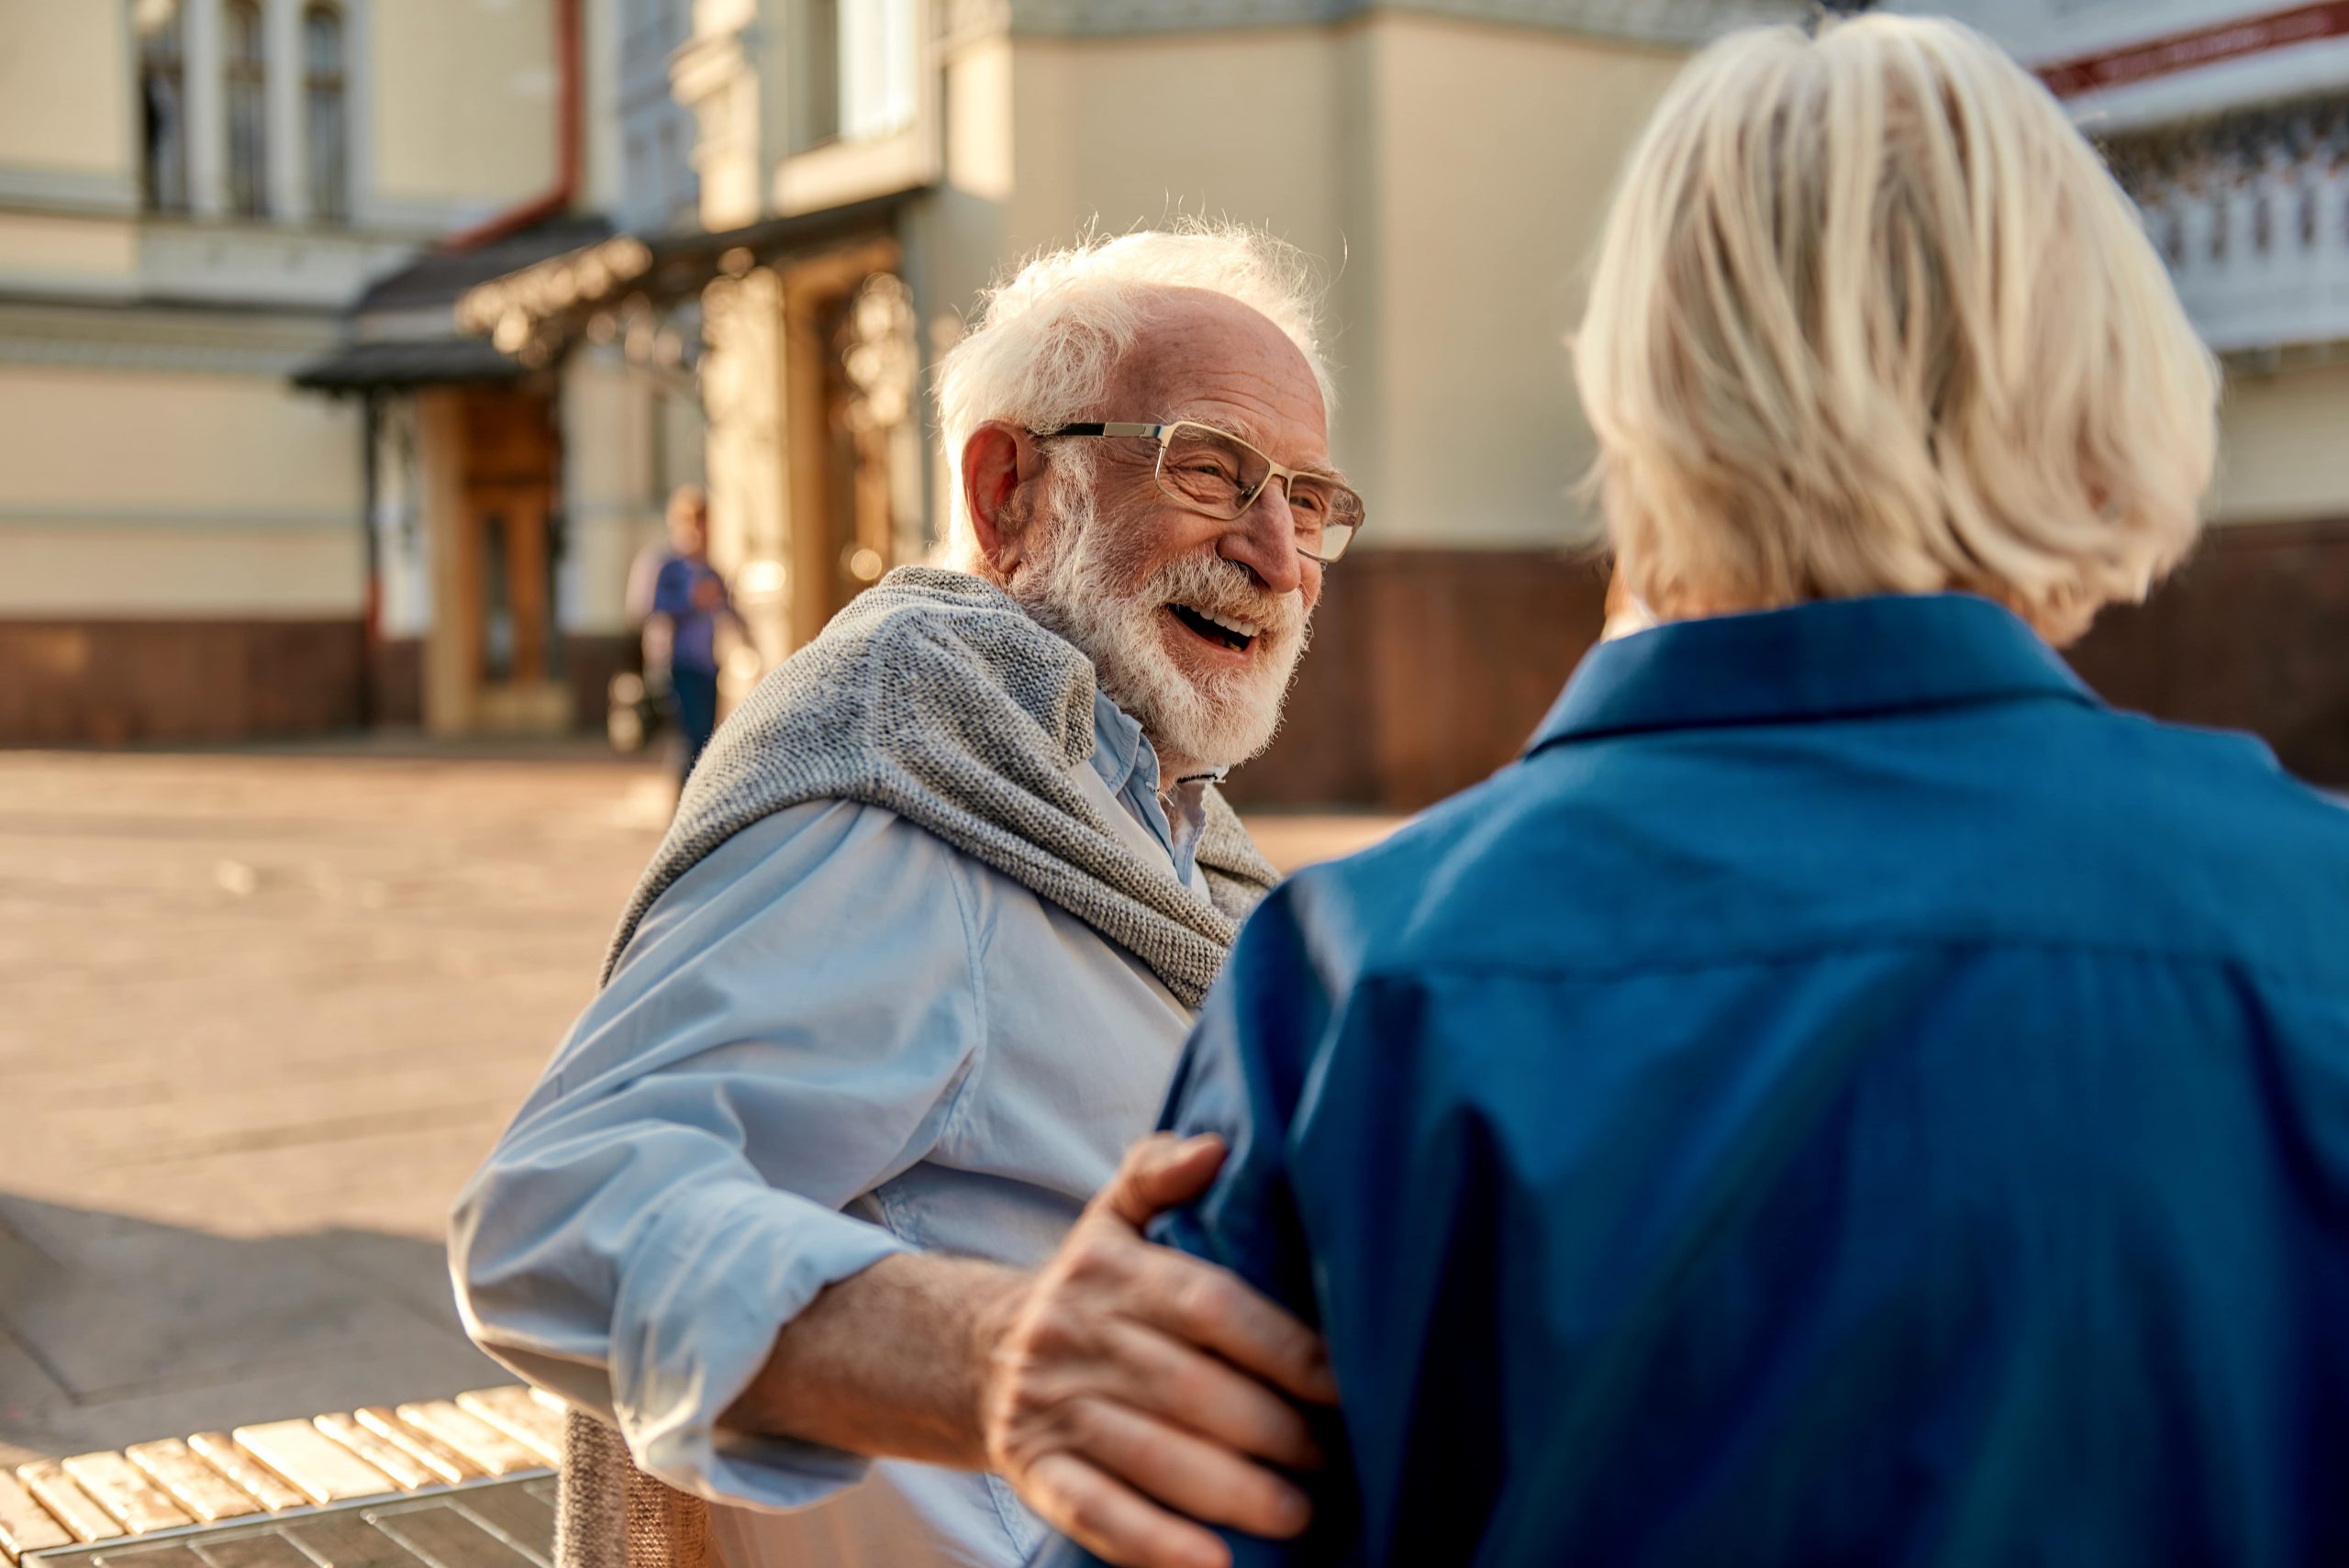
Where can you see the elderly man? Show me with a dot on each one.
(909, 975)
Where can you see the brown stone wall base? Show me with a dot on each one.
(2252, 634)
(590, 660)
(1430, 667)
(395, 683)
(112, 682)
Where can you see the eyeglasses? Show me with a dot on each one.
(1215, 472)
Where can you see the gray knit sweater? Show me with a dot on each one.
(935, 696)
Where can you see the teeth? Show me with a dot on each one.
(1240, 627)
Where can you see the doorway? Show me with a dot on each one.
(854, 449)
(493, 652)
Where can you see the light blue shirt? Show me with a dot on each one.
(832, 1039)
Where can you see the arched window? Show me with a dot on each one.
(162, 105)
(246, 76)
(325, 128)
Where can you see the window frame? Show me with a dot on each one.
(836, 171)
(244, 81)
(154, 64)
(329, 193)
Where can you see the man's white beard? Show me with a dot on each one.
(1080, 582)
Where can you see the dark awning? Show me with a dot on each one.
(401, 321)
(551, 297)
(438, 277)
(407, 363)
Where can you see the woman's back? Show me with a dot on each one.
(1846, 1097)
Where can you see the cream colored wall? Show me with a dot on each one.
(128, 493)
(179, 573)
(1449, 175)
(65, 87)
(1497, 150)
(86, 255)
(619, 463)
(465, 99)
(956, 239)
(1133, 131)
(2284, 447)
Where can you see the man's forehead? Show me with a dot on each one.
(1209, 358)
(1297, 448)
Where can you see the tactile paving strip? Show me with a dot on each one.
(443, 1483)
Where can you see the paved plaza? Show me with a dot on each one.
(261, 1014)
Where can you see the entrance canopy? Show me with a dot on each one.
(613, 285)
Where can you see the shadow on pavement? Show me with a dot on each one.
(113, 1330)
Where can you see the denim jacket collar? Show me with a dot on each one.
(1828, 660)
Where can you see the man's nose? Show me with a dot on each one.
(1264, 539)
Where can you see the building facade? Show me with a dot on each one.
(202, 204)
(736, 235)
(865, 168)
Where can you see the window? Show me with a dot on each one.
(823, 83)
(325, 129)
(162, 105)
(865, 57)
(879, 61)
(247, 80)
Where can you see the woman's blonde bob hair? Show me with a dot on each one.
(1870, 316)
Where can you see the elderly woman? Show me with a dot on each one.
(1847, 1096)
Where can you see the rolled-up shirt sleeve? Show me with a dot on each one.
(791, 1027)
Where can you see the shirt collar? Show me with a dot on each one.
(1831, 659)
(1127, 763)
(1119, 744)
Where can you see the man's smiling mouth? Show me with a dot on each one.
(1222, 631)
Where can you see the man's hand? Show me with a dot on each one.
(1125, 1380)
(1132, 1376)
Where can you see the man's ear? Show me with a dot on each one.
(999, 460)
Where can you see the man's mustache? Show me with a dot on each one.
(1227, 588)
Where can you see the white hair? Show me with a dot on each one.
(1869, 316)
(1044, 343)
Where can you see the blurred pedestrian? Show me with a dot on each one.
(1847, 1096)
(679, 639)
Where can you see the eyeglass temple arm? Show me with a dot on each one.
(1115, 427)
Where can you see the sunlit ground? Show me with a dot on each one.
(260, 1016)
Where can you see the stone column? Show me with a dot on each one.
(208, 110)
(289, 154)
(451, 653)
(744, 397)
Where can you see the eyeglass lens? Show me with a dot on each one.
(1206, 469)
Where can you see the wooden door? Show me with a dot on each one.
(506, 541)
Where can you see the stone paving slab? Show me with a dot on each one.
(264, 1013)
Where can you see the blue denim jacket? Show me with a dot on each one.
(1845, 1097)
